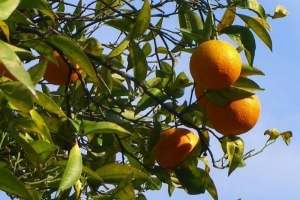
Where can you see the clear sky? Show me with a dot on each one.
(274, 174)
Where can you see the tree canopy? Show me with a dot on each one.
(93, 134)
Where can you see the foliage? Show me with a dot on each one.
(95, 137)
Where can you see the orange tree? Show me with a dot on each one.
(94, 135)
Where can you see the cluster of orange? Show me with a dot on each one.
(214, 65)
(56, 74)
(217, 65)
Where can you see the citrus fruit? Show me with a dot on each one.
(215, 64)
(173, 146)
(59, 74)
(235, 117)
(200, 96)
(4, 72)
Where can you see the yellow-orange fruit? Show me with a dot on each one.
(235, 117)
(173, 146)
(59, 74)
(215, 64)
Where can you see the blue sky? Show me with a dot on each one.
(274, 174)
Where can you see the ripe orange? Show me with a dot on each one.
(4, 72)
(58, 74)
(235, 117)
(199, 92)
(173, 146)
(215, 64)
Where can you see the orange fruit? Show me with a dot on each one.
(235, 117)
(4, 72)
(202, 99)
(173, 146)
(58, 74)
(215, 64)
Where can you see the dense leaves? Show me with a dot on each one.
(94, 138)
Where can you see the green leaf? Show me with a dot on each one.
(147, 102)
(196, 181)
(107, 83)
(184, 21)
(74, 52)
(246, 84)
(73, 169)
(138, 61)
(114, 173)
(248, 70)
(40, 5)
(7, 7)
(124, 190)
(92, 46)
(44, 149)
(152, 34)
(18, 96)
(273, 133)
(142, 21)
(244, 38)
(37, 72)
(147, 49)
(286, 136)
(280, 12)
(107, 7)
(119, 49)
(18, 17)
(235, 150)
(8, 180)
(208, 26)
(259, 29)
(124, 24)
(21, 53)
(89, 127)
(227, 19)
(14, 65)
(48, 104)
(26, 146)
(5, 29)
(252, 5)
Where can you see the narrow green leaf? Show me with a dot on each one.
(138, 61)
(184, 22)
(44, 149)
(8, 180)
(74, 52)
(248, 70)
(47, 103)
(259, 29)
(227, 19)
(235, 150)
(14, 65)
(26, 146)
(119, 49)
(37, 72)
(40, 5)
(5, 29)
(147, 102)
(286, 136)
(89, 127)
(252, 5)
(208, 26)
(142, 21)
(106, 83)
(7, 7)
(19, 17)
(73, 169)
(18, 95)
(147, 49)
(124, 24)
(244, 38)
(114, 173)
(152, 34)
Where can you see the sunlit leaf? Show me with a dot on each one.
(184, 21)
(248, 70)
(273, 133)
(73, 169)
(258, 29)
(5, 29)
(89, 127)
(280, 12)
(74, 52)
(8, 180)
(40, 5)
(138, 61)
(114, 173)
(286, 136)
(14, 65)
(44, 149)
(235, 150)
(227, 19)
(142, 21)
(7, 7)
(37, 72)
(119, 49)
(153, 34)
